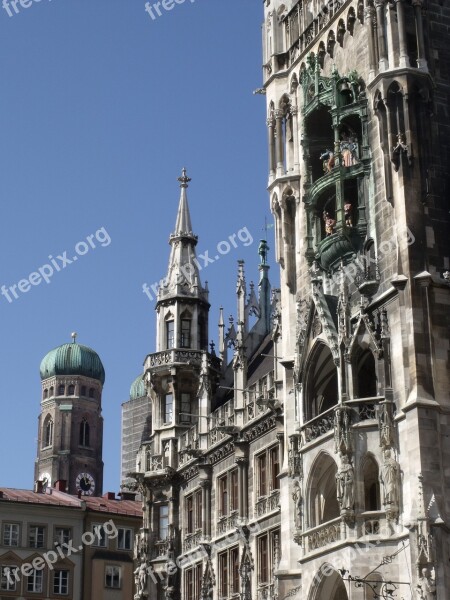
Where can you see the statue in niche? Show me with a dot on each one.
(297, 497)
(348, 214)
(426, 586)
(390, 472)
(140, 579)
(328, 161)
(330, 223)
(348, 147)
(345, 482)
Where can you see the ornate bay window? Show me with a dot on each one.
(267, 485)
(193, 511)
(229, 573)
(268, 557)
(193, 582)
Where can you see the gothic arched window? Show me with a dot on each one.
(47, 438)
(71, 391)
(321, 382)
(84, 433)
(366, 376)
(323, 505)
(61, 390)
(371, 485)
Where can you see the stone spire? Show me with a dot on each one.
(183, 227)
(183, 274)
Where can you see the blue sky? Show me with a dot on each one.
(100, 108)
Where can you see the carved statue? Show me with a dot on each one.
(426, 588)
(328, 160)
(262, 251)
(329, 223)
(348, 214)
(386, 426)
(345, 481)
(140, 579)
(390, 479)
(297, 497)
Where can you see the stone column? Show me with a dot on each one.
(279, 145)
(370, 17)
(383, 62)
(271, 132)
(242, 464)
(421, 61)
(403, 58)
(294, 113)
(205, 484)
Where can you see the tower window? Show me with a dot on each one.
(71, 390)
(48, 433)
(163, 525)
(51, 392)
(168, 408)
(91, 393)
(170, 334)
(45, 394)
(84, 433)
(83, 390)
(185, 413)
(185, 333)
(61, 390)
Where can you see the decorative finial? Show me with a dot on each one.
(74, 336)
(184, 179)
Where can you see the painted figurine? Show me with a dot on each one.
(329, 223)
(348, 214)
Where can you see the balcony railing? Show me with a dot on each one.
(192, 540)
(224, 415)
(228, 522)
(155, 462)
(301, 32)
(267, 504)
(161, 548)
(323, 535)
(373, 522)
(174, 355)
(319, 425)
(266, 591)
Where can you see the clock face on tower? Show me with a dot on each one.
(85, 484)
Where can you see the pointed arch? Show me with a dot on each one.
(351, 18)
(331, 42)
(327, 585)
(340, 33)
(371, 479)
(47, 432)
(84, 439)
(321, 502)
(321, 381)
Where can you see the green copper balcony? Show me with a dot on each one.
(336, 248)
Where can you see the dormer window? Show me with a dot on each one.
(185, 333)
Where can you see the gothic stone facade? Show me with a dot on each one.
(328, 462)
(357, 113)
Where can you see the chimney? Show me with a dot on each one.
(128, 496)
(1, 494)
(109, 496)
(61, 485)
(38, 487)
